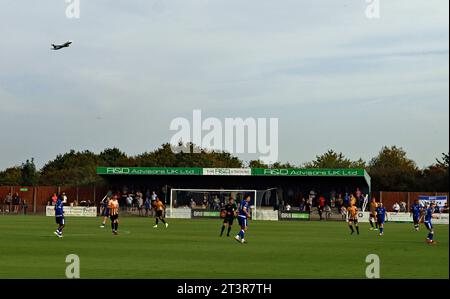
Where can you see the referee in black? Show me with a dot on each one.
(228, 213)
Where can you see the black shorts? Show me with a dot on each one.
(355, 221)
(114, 217)
(60, 220)
(229, 220)
(372, 215)
(159, 213)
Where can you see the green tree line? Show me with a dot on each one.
(391, 169)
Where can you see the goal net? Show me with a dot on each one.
(209, 199)
(209, 202)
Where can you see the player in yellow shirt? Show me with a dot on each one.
(159, 208)
(353, 219)
(113, 206)
(373, 214)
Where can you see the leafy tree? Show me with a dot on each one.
(279, 165)
(257, 164)
(29, 174)
(332, 159)
(113, 157)
(435, 177)
(11, 176)
(392, 170)
(73, 168)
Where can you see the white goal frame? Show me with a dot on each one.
(254, 192)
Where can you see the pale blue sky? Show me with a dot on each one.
(334, 78)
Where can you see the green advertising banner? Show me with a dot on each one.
(232, 171)
(290, 215)
(196, 213)
(308, 172)
(148, 171)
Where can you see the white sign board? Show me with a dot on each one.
(404, 217)
(440, 201)
(73, 211)
(227, 171)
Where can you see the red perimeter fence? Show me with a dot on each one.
(38, 197)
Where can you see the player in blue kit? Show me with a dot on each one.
(416, 212)
(243, 216)
(381, 217)
(59, 215)
(427, 221)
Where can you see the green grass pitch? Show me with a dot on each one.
(193, 249)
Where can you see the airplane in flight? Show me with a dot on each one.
(59, 47)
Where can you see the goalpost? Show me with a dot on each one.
(209, 199)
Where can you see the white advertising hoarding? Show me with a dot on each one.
(73, 211)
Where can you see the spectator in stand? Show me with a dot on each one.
(358, 193)
(308, 205)
(361, 199)
(123, 200)
(445, 208)
(64, 198)
(54, 198)
(24, 207)
(343, 212)
(147, 205)
(7, 207)
(403, 207)
(339, 203)
(16, 202)
(321, 206)
(312, 197)
(346, 200)
(288, 207)
(436, 209)
(140, 203)
(396, 207)
(302, 204)
(193, 204)
(129, 202)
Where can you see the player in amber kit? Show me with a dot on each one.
(159, 208)
(373, 214)
(113, 206)
(353, 219)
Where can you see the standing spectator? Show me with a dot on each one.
(54, 198)
(339, 203)
(445, 208)
(140, 203)
(312, 196)
(321, 206)
(147, 205)
(402, 206)
(129, 202)
(24, 207)
(302, 204)
(308, 205)
(64, 197)
(361, 199)
(346, 200)
(358, 193)
(8, 203)
(288, 207)
(396, 207)
(16, 202)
